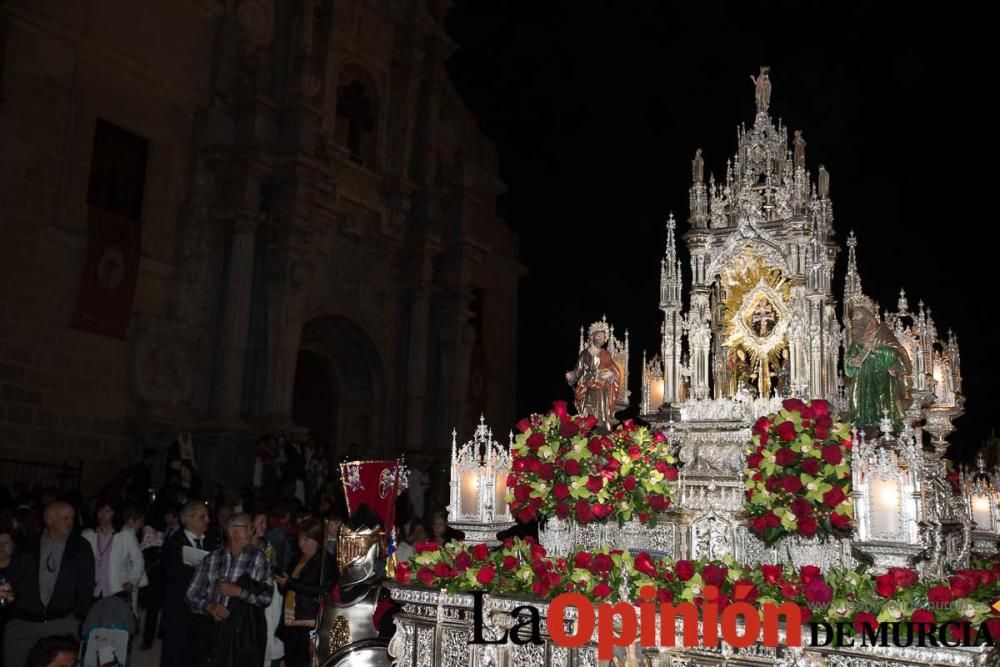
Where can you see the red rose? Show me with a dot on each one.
(519, 464)
(403, 573)
(840, 521)
(659, 436)
(510, 563)
(786, 431)
(809, 572)
(864, 620)
(801, 507)
(535, 441)
(791, 483)
(594, 445)
(486, 575)
(793, 405)
(771, 520)
(602, 563)
(713, 574)
(643, 517)
(426, 576)
(785, 457)
(833, 455)
(671, 473)
(583, 560)
(583, 514)
(540, 588)
(589, 422)
(425, 547)
(657, 502)
(644, 563)
(534, 465)
(761, 426)
(628, 425)
(634, 452)
(547, 471)
(562, 511)
(561, 408)
(664, 595)
(560, 491)
(753, 461)
(602, 590)
(602, 510)
(629, 483)
(568, 429)
(807, 526)
(462, 561)
(924, 617)
(521, 492)
(757, 523)
(885, 585)
(789, 590)
(772, 573)
(820, 407)
(595, 484)
(684, 569)
(817, 591)
(822, 432)
(834, 497)
(962, 587)
(904, 576)
(442, 570)
(523, 425)
(572, 467)
(526, 515)
(480, 552)
(939, 595)
(538, 552)
(810, 465)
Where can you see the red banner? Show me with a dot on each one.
(110, 273)
(375, 484)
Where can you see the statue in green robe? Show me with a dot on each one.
(878, 367)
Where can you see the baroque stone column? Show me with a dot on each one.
(236, 317)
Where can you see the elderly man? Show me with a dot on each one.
(180, 625)
(232, 588)
(53, 580)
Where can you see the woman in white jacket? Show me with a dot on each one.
(118, 564)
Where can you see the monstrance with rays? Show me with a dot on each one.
(757, 314)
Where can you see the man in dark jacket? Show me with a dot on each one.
(181, 627)
(53, 580)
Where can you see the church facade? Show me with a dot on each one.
(283, 218)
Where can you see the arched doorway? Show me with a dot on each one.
(338, 390)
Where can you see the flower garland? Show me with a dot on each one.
(561, 468)
(798, 473)
(522, 568)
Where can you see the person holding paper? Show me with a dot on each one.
(181, 553)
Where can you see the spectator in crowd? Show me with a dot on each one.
(55, 651)
(309, 580)
(442, 533)
(231, 588)
(119, 566)
(53, 581)
(6, 591)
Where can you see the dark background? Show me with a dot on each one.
(597, 109)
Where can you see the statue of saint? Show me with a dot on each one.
(741, 375)
(824, 182)
(879, 368)
(596, 378)
(763, 92)
(698, 168)
(799, 145)
(784, 377)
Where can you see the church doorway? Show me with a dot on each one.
(339, 391)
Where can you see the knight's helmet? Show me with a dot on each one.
(347, 633)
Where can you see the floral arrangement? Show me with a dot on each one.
(522, 568)
(562, 468)
(798, 473)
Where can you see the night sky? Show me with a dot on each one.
(597, 109)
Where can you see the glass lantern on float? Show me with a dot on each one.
(887, 487)
(479, 470)
(983, 498)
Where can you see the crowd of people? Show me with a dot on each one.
(220, 578)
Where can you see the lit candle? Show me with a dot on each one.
(470, 493)
(885, 507)
(656, 394)
(981, 513)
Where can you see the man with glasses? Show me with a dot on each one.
(52, 577)
(232, 587)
